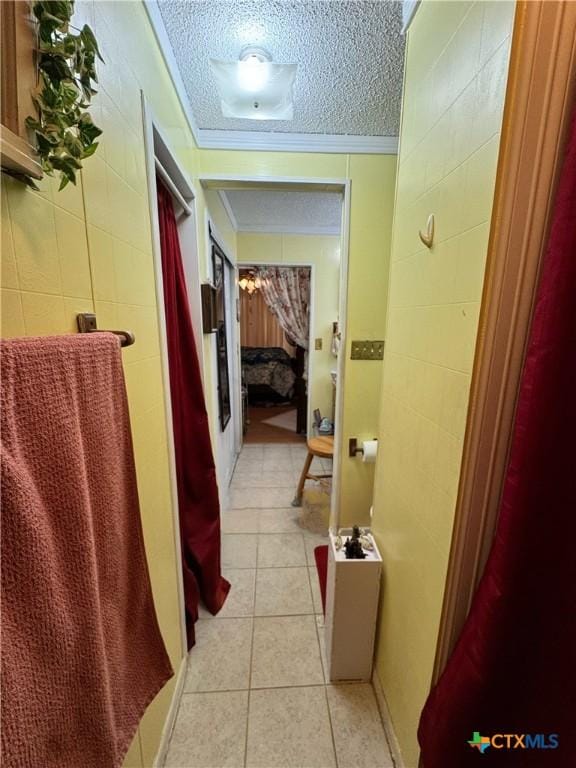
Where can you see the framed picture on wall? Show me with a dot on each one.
(219, 272)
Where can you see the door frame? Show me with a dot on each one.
(212, 234)
(540, 92)
(344, 185)
(311, 305)
(154, 139)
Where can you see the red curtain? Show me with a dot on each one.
(195, 470)
(513, 670)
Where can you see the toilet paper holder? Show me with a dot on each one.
(354, 449)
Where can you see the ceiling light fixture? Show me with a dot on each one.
(254, 87)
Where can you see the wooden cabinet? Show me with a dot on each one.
(18, 81)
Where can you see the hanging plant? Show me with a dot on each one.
(64, 131)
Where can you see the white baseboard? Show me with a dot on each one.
(387, 722)
(171, 717)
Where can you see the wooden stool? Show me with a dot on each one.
(323, 447)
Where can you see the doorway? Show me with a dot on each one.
(224, 343)
(293, 228)
(274, 362)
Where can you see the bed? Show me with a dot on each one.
(268, 374)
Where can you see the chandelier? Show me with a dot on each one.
(250, 282)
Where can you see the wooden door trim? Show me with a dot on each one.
(539, 99)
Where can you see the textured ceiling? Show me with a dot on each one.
(349, 56)
(266, 211)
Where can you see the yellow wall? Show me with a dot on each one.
(372, 180)
(89, 248)
(324, 253)
(455, 78)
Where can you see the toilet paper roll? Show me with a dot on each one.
(370, 449)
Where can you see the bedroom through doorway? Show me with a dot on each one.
(274, 311)
(291, 260)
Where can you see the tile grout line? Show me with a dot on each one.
(210, 691)
(255, 569)
(176, 716)
(253, 618)
(325, 686)
(331, 724)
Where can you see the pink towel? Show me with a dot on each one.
(82, 654)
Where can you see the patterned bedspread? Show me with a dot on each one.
(271, 366)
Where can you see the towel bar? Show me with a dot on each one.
(87, 324)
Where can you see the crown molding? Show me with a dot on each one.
(260, 141)
(264, 141)
(280, 229)
(228, 208)
(167, 52)
(409, 8)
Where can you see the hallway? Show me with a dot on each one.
(256, 691)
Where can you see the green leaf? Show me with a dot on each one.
(55, 67)
(64, 131)
(61, 10)
(89, 151)
(90, 41)
(73, 145)
(32, 123)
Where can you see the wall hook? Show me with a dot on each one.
(428, 237)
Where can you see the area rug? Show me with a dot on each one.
(286, 420)
(321, 557)
(315, 511)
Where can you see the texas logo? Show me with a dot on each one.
(513, 741)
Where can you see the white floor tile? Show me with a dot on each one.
(321, 631)
(285, 652)
(358, 733)
(210, 731)
(280, 520)
(240, 600)
(248, 464)
(277, 463)
(283, 592)
(315, 587)
(289, 728)
(239, 550)
(240, 521)
(261, 498)
(267, 478)
(220, 660)
(311, 541)
(281, 550)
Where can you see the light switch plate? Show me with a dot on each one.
(367, 350)
(317, 344)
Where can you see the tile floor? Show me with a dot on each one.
(256, 692)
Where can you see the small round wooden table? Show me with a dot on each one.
(323, 447)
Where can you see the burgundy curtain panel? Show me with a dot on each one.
(196, 473)
(513, 671)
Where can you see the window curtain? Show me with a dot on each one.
(286, 291)
(195, 471)
(259, 327)
(513, 670)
